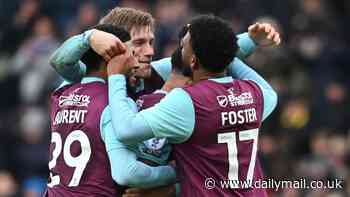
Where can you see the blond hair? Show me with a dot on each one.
(128, 18)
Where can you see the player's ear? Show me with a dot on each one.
(103, 69)
(103, 64)
(194, 62)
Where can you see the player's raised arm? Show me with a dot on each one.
(265, 35)
(242, 71)
(66, 59)
(126, 169)
(131, 127)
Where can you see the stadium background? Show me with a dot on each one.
(307, 136)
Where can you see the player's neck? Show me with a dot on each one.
(201, 74)
(98, 74)
(175, 81)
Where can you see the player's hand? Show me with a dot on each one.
(264, 34)
(106, 44)
(123, 63)
(165, 191)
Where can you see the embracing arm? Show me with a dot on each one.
(66, 59)
(265, 35)
(169, 118)
(240, 70)
(126, 169)
(262, 34)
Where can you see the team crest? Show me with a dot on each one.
(155, 143)
(139, 104)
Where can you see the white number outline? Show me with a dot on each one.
(79, 162)
(230, 139)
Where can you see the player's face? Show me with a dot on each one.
(188, 57)
(142, 39)
(132, 78)
(133, 82)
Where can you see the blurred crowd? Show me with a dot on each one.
(306, 137)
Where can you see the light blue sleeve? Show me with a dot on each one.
(246, 47)
(126, 170)
(66, 59)
(172, 118)
(129, 126)
(240, 70)
(163, 67)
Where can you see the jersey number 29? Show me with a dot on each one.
(78, 162)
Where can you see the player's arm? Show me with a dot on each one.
(66, 59)
(173, 117)
(242, 71)
(246, 47)
(259, 34)
(126, 170)
(266, 35)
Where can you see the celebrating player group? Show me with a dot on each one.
(125, 125)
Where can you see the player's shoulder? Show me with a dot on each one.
(249, 85)
(94, 94)
(96, 89)
(149, 100)
(178, 97)
(157, 93)
(201, 88)
(174, 98)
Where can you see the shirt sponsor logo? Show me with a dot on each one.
(74, 99)
(234, 100)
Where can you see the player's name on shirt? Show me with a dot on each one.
(238, 117)
(70, 117)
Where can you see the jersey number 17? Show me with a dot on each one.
(233, 172)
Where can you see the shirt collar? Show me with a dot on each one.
(160, 92)
(227, 79)
(92, 79)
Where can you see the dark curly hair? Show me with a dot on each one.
(176, 60)
(213, 42)
(91, 59)
(176, 57)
